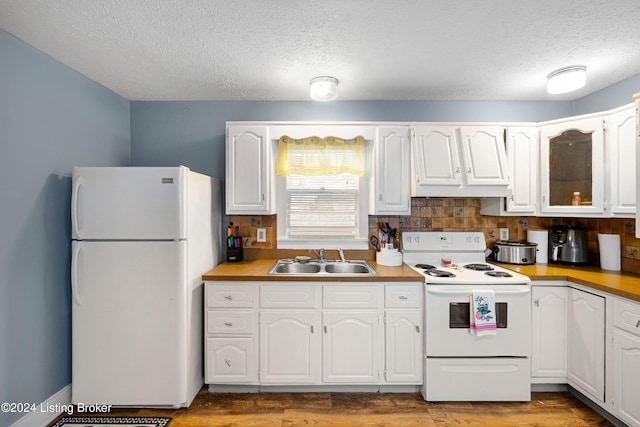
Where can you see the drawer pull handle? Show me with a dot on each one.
(228, 297)
(403, 297)
(227, 362)
(228, 324)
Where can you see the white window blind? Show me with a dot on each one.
(322, 206)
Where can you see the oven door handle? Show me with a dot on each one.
(440, 292)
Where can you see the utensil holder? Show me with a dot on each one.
(389, 257)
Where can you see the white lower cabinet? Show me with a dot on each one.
(569, 338)
(626, 361)
(550, 313)
(351, 347)
(403, 346)
(290, 339)
(230, 361)
(230, 333)
(303, 333)
(586, 342)
(290, 347)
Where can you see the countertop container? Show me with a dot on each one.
(513, 252)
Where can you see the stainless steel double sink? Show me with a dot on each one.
(317, 267)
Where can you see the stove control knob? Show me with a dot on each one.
(477, 239)
(417, 240)
(469, 239)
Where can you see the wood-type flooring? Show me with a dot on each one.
(370, 409)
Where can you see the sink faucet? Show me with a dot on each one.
(341, 255)
(319, 254)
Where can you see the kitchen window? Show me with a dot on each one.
(321, 193)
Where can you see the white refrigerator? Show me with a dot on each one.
(142, 238)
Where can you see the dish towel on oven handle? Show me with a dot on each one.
(483, 313)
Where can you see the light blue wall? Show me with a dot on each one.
(192, 133)
(51, 118)
(611, 97)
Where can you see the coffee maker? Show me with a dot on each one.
(568, 245)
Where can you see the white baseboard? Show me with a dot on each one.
(48, 410)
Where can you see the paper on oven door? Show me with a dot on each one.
(482, 313)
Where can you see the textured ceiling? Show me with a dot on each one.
(378, 49)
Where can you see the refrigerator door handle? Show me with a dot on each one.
(74, 207)
(74, 274)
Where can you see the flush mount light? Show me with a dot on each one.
(567, 79)
(324, 88)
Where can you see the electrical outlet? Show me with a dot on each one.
(504, 234)
(262, 235)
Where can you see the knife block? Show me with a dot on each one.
(235, 254)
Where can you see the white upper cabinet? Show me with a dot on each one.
(522, 157)
(522, 154)
(459, 161)
(484, 155)
(435, 158)
(390, 193)
(572, 160)
(249, 174)
(620, 140)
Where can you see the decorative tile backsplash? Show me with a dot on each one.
(463, 214)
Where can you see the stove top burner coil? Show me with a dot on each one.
(440, 273)
(425, 266)
(498, 274)
(478, 267)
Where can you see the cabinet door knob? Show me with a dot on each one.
(311, 328)
(227, 362)
(417, 329)
(469, 171)
(638, 324)
(536, 302)
(325, 329)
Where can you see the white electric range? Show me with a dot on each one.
(461, 365)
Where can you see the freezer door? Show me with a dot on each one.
(129, 203)
(129, 323)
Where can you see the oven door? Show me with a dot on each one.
(447, 322)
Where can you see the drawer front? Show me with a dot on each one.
(231, 295)
(230, 322)
(289, 296)
(401, 296)
(626, 315)
(351, 296)
(230, 361)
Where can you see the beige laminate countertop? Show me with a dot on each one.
(619, 283)
(258, 270)
(623, 284)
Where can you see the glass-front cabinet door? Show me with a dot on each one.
(572, 167)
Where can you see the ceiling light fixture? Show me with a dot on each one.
(567, 79)
(324, 88)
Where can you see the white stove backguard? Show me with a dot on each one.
(460, 248)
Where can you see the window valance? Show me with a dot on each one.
(313, 156)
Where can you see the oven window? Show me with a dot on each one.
(459, 315)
